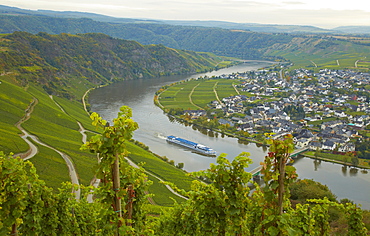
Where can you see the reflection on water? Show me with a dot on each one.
(317, 164)
(345, 182)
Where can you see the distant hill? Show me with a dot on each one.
(353, 29)
(268, 28)
(226, 42)
(6, 10)
(303, 49)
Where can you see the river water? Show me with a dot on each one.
(154, 126)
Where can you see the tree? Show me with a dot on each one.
(218, 208)
(29, 207)
(273, 199)
(355, 161)
(111, 148)
(180, 165)
(302, 190)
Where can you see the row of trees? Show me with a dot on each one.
(225, 206)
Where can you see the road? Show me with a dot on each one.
(72, 171)
(167, 186)
(33, 149)
(313, 63)
(190, 94)
(215, 91)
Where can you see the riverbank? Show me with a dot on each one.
(189, 102)
(334, 161)
(155, 126)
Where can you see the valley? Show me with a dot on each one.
(212, 83)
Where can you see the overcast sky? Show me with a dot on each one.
(322, 13)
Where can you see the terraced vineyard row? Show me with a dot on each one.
(201, 92)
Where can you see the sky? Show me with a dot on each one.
(321, 13)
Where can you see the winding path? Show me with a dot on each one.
(236, 90)
(167, 186)
(83, 132)
(313, 63)
(215, 91)
(84, 102)
(191, 93)
(33, 149)
(356, 62)
(72, 171)
(281, 75)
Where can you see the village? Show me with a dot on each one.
(326, 111)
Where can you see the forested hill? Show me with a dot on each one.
(65, 63)
(236, 43)
(301, 49)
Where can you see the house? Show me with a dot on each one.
(328, 145)
(303, 142)
(246, 127)
(263, 123)
(315, 145)
(340, 114)
(257, 117)
(225, 122)
(303, 134)
(351, 133)
(347, 147)
(194, 114)
(238, 120)
(331, 124)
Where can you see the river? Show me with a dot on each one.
(154, 126)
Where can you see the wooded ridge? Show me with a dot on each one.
(60, 62)
(298, 48)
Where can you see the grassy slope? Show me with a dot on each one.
(306, 53)
(51, 167)
(13, 102)
(162, 196)
(75, 110)
(159, 167)
(60, 130)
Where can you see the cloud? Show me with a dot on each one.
(302, 12)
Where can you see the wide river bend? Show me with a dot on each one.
(154, 126)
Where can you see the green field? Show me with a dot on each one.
(51, 125)
(202, 92)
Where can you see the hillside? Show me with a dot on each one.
(242, 44)
(67, 65)
(43, 77)
(333, 52)
(236, 43)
